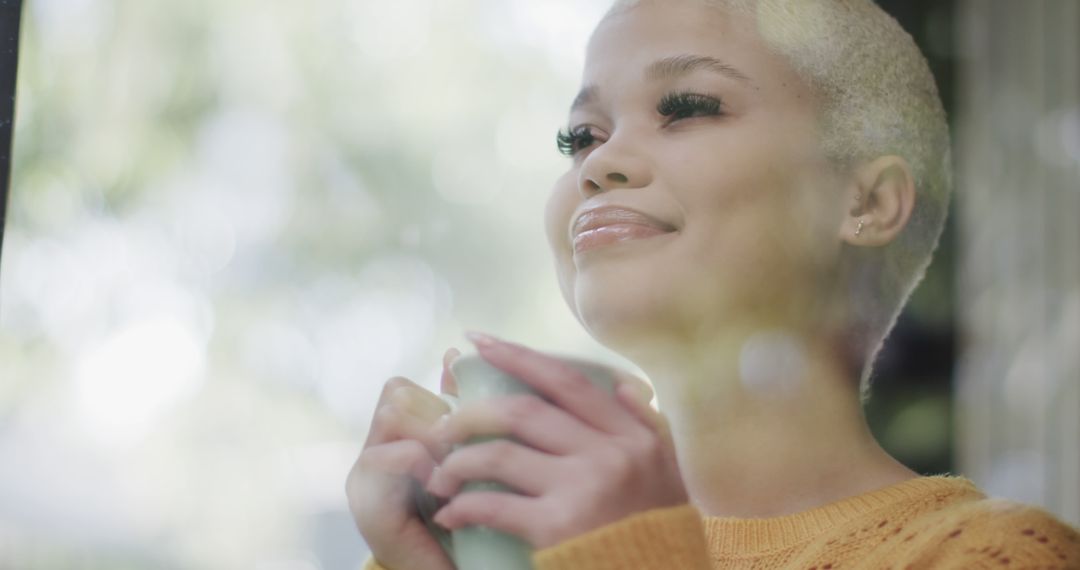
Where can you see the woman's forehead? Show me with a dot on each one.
(639, 36)
(646, 39)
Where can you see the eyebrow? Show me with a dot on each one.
(670, 68)
(679, 65)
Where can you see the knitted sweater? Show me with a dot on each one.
(938, 522)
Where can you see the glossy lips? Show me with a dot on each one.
(612, 224)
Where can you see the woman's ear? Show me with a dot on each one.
(883, 196)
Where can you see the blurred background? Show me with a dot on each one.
(232, 221)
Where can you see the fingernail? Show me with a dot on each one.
(442, 519)
(481, 339)
(433, 486)
(450, 356)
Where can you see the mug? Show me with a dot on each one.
(478, 547)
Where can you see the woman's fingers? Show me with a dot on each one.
(400, 450)
(448, 384)
(377, 485)
(530, 419)
(392, 424)
(382, 497)
(399, 458)
(506, 512)
(637, 402)
(402, 393)
(521, 468)
(642, 388)
(419, 403)
(407, 411)
(566, 386)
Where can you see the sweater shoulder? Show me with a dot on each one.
(991, 533)
(664, 538)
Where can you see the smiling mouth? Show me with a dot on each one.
(615, 234)
(613, 225)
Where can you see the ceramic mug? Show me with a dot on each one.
(477, 547)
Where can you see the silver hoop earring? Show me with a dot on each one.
(858, 230)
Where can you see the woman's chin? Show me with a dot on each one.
(621, 326)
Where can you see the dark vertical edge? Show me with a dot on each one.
(10, 18)
(918, 359)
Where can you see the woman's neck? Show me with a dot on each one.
(767, 423)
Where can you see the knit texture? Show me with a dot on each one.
(938, 522)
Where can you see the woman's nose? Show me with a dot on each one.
(613, 165)
(611, 179)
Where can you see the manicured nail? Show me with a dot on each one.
(481, 339)
(450, 356)
(441, 518)
(434, 486)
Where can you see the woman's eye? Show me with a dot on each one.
(677, 106)
(575, 139)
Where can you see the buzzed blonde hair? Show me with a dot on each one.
(878, 98)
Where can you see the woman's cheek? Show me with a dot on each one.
(561, 204)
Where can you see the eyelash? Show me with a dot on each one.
(673, 106)
(684, 105)
(574, 139)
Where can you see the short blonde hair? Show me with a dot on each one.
(878, 98)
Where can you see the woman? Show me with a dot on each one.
(755, 189)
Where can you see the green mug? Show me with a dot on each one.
(478, 547)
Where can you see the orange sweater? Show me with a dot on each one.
(939, 522)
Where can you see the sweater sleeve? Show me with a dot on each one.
(1005, 535)
(659, 539)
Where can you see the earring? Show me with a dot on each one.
(858, 230)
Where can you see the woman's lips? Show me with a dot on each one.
(615, 233)
(609, 225)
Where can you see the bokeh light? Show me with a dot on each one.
(231, 223)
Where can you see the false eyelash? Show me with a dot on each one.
(574, 139)
(684, 105)
(675, 106)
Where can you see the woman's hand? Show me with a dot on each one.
(400, 448)
(588, 460)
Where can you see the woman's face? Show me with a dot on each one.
(685, 116)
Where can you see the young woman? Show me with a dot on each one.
(755, 189)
